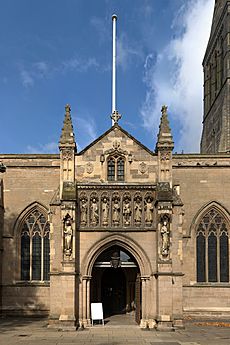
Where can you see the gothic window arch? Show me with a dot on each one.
(35, 246)
(116, 168)
(212, 248)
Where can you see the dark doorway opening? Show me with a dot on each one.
(116, 283)
(113, 291)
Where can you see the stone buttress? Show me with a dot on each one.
(169, 235)
(63, 285)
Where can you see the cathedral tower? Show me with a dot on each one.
(216, 65)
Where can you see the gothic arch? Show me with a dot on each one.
(206, 208)
(211, 237)
(123, 241)
(43, 233)
(34, 205)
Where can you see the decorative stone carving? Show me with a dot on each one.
(68, 235)
(105, 210)
(89, 168)
(148, 210)
(115, 151)
(116, 144)
(127, 209)
(67, 154)
(116, 209)
(142, 167)
(196, 162)
(94, 210)
(165, 156)
(165, 233)
(83, 209)
(115, 116)
(116, 206)
(137, 209)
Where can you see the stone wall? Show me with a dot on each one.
(26, 300)
(28, 179)
(203, 180)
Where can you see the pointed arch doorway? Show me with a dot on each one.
(116, 283)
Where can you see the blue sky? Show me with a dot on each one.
(57, 52)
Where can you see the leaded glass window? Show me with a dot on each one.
(120, 169)
(212, 250)
(116, 168)
(35, 247)
(111, 169)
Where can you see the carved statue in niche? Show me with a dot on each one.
(165, 236)
(148, 210)
(68, 235)
(116, 210)
(137, 210)
(126, 210)
(94, 211)
(105, 211)
(84, 210)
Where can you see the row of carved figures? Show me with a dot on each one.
(164, 231)
(114, 211)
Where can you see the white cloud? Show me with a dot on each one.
(33, 72)
(79, 65)
(127, 51)
(86, 131)
(27, 79)
(51, 147)
(42, 68)
(176, 76)
(101, 28)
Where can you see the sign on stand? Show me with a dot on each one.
(97, 312)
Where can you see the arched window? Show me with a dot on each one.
(35, 247)
(120, 169)
(212, 250)
(116, 168)
(111, 169)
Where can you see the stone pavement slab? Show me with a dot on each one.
(21, 331)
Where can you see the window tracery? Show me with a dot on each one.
(116, 168)
(35, 247)
(212, 249)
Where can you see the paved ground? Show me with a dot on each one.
(18, 331)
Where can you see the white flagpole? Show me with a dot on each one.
(114, 20)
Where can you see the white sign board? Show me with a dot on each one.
(97, 312)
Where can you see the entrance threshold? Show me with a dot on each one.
(120, 320)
